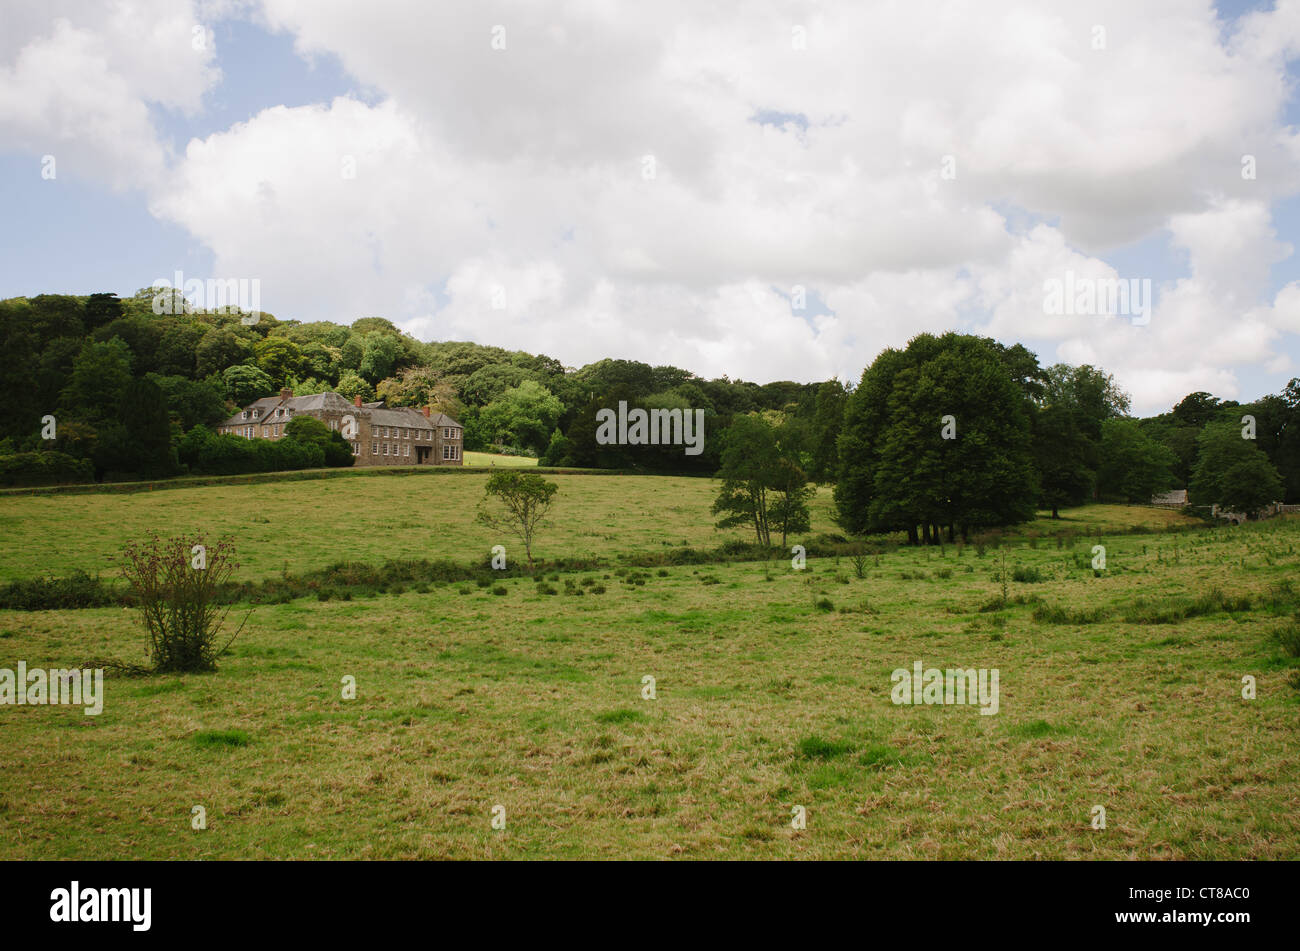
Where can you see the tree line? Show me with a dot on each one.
(136, 394)
(959, 433)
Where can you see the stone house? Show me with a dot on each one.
(378, 434)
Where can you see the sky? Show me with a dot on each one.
(767, 190)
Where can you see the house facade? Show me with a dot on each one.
(378, 434)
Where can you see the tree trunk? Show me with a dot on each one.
(911, 534)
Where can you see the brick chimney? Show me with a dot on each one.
(285, 393)
(356, 400)
(426, 412)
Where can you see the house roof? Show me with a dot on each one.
(1173, 497)
(378, 413)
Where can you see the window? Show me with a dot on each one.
(334, 424)
(385, 449)
(407, 447)
(244, 415)
(446, 452)
(255, 413)
(356, 449)
(374, 448)
(406, 433)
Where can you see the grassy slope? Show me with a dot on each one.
(304, 525)
(765, 701)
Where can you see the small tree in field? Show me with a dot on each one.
(517, 502)
(175, 585)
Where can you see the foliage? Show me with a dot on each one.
(177, 599)
(517, 502)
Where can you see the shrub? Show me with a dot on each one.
(79, 590)
(1026, 575)
(44, 468)
(499, 590)
(177, 599)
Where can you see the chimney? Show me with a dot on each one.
(426, 412)
(285, 393)
(356, 400)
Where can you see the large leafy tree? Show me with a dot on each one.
(245, 383)
(524, 415)
(99, 376)
(279, 359)
(1132, 466)
(1232, 471)
(897, 469)
(1066, 458)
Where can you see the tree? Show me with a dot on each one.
(788, 511)
(219, 349)
(517, 502)
(1232, 471)
(1065, 458)
(1092, 395)
(309, 430)
(99, 375)
(245, 384)
(379, 358)
(750, 462)
(102, 309)
(525, 415)
(828, 418)
(935, 435)
(352, 385)
(1133, 466)
(279, 359)
(488, 383)
(192, 402)
(139, 440)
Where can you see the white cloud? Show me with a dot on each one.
(522, 168)
(77, 80)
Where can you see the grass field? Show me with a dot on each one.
(1121, 688)
(495, 459)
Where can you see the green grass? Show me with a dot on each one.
(302, 526)
(764, 700)
(495, 459)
